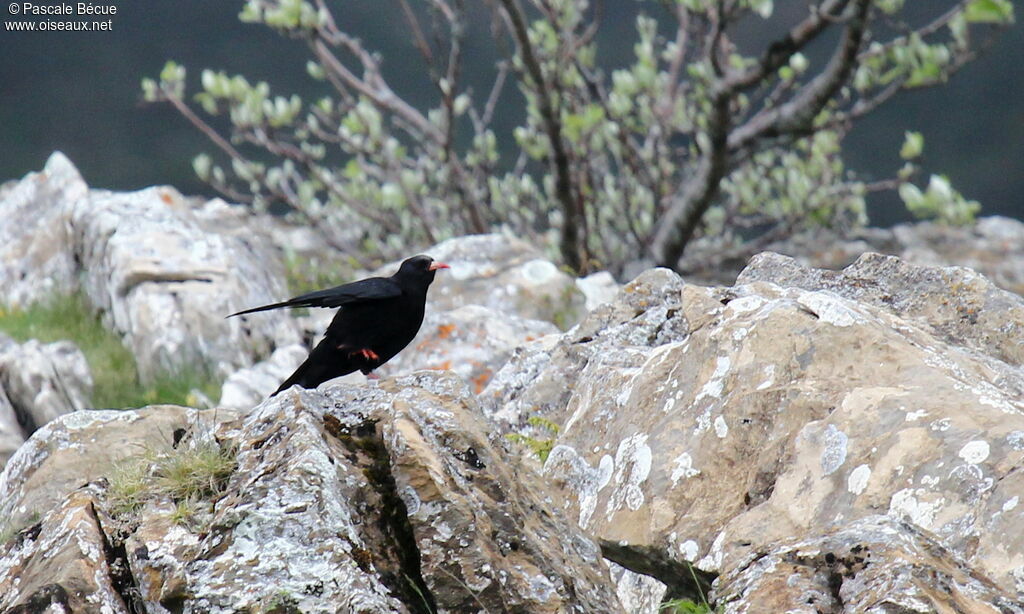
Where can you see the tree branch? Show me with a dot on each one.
(571, 240)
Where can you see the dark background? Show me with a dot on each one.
(79, 92)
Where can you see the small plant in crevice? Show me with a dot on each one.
(541, 447)
(191, 475)
(685, 606)
(689, 606)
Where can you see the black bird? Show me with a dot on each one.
(379, 316)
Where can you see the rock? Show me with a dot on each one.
(638, 593)
(383, 497)
(11, 435)
(874, 564)
(646, 313)
(38, 382)
(65, 563)
(35, 262)
(163, 270)
(82, 447)
(166, 285)
(992, 246)
(705, 425)
(486, 535)
(957, 304)
(472, 341)
(247, 387)
(504, 274)
(597, 288)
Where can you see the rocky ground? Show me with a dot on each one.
(797, 440)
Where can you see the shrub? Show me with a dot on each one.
(700, 134)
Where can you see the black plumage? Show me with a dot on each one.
(377, 318)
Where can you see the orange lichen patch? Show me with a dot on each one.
(445, 330)
(164, 196)
(444, 366)
(529, 338)
(480, 380)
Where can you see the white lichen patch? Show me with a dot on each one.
(586, 481)
(769, 378)
(713, 560)
(829, 308)
(858, 480)
(907, 503)
(721, 428)
(1016, 440)
(975, 452)
(682, 467)
(1011, 503)
(745, 304)
(539, 271)
(713, 387)
(689, 549)
(913, 416)
(633, 462)
(833, 453)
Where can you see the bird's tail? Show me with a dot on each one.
(325, 362)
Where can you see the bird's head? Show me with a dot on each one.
(421, 267)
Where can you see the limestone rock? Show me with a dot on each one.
(874, 564)
(597, 288)
(65, 563)
(166, 285)
(38, 382)
(504, 274)
(161, 269)
(992, 246)
(472, 341)
(81, 447)
(247, 387)
(706, 424)
(482, 524)
(647, 312)
(382, 497)
(11, 435)
(956, 303)
(35, 262)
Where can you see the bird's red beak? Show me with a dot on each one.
(437, 265)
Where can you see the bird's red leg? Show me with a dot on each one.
(367, 353)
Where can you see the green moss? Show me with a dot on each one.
(540, 447)
(115, 373)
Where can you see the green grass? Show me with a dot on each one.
(115, 375)
(189, 474)
(685, 606)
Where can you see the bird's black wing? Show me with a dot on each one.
(372, 289)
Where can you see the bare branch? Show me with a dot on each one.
(796, 116)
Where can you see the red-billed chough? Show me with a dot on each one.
(378, 317)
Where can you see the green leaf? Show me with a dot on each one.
(913, 145)
(989, 11)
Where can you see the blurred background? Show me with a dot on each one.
(79, 92)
